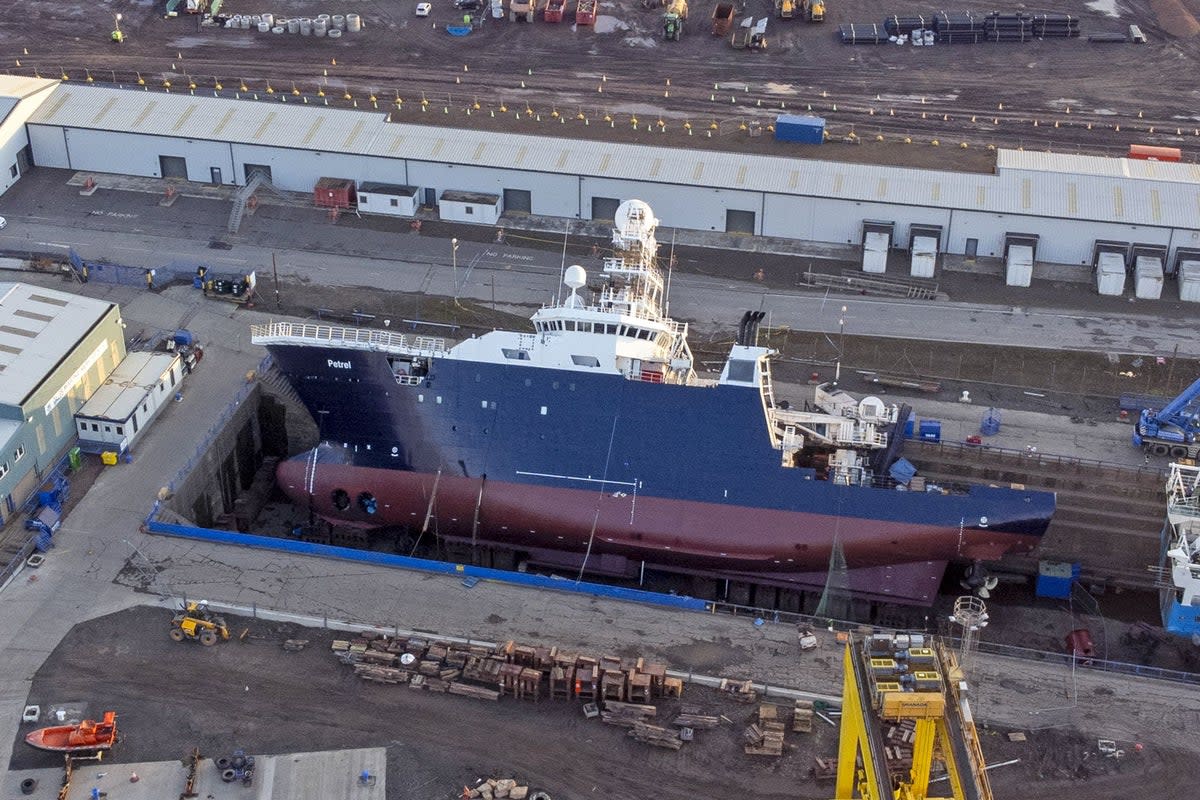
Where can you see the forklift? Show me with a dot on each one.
(195, 622)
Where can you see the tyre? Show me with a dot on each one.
(224, 763)
(539, 795)
(28, 785)
(228, 775)
(1178, 451)
(208, 638)
(1159, 449)
(176, 634)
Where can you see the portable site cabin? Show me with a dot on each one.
(388, 198)
(455, 206)
(134, 394)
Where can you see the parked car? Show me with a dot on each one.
(467, 5)
(423, 9)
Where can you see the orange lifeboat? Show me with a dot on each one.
(87, 735)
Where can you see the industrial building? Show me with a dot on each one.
(19, 97)
(56, 349)
(1060, 207)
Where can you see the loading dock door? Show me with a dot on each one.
(739, 221)
(518, 201)
(251, 169)
(605, 208)
(924, 256)
(173, 167)
(875, 251)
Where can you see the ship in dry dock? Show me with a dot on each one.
(590, 441)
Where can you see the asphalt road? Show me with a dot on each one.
(131, 228)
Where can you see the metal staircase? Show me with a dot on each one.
(258, 180)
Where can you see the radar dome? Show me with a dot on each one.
(575, 277)
(635, 213)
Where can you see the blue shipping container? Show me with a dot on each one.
(793, 128)
(1055, 578)
(930, 430)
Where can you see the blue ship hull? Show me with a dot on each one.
(677, 476)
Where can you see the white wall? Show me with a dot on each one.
(1061, 241)
(137, 154)
(299, 170)
(820, 219)
(690, 207)
(49, 145)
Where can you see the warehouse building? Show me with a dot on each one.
(1058, 206)
(56, 349)
(19, 97)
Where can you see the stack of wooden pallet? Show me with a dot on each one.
(497, 789)
(802, 717)
(765, 738)
(626, 714)
(742, 691)
(825, 769)
(519, 670)
(655, 735)
(694, 717)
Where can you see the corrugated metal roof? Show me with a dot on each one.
(20, 87)
(127, 387)
(38, 327)
(195, 117)
(1025, 183)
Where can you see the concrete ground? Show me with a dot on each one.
(333, 775)
(91, 572)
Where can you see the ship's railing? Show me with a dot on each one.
(360, 338)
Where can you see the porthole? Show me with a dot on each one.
(366, 501)
(341, 499)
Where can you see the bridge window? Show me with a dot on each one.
(585, 361)
(516, 355)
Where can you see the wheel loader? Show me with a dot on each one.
(194, 621)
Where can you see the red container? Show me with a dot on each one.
(334, 193)
(1080, 645)
(1146, 152)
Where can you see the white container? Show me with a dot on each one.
(306, 26)
(293, 26)
(334, 33)
(875, 251)
(1189, 281)
(353, 23)
(1148, 278)
(325, 17)
(320, 27)
(339, 22)
(264, 27)
(1110, 275)
(924, 256)
(278, 29)
(269, 19)
(1018, 268)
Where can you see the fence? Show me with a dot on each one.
(991, 648)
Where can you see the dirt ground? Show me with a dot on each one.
(172, 697)
(593, 82)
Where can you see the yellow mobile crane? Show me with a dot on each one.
(890, 678)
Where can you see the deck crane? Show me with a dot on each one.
(1173, 430)
(890, 678)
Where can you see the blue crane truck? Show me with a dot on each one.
(1173, 430)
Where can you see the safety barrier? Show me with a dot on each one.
(420, 564)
